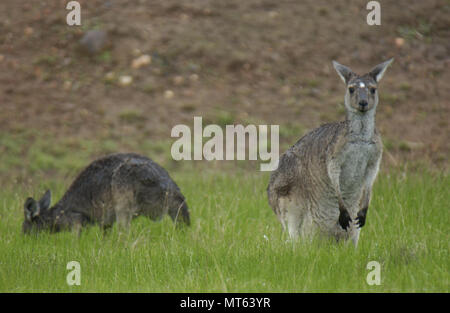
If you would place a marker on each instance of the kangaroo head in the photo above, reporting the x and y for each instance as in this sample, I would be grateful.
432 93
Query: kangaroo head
37 213
362 93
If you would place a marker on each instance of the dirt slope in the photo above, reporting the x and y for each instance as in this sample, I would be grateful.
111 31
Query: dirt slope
234 61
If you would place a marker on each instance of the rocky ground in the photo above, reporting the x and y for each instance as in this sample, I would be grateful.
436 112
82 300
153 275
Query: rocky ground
153 64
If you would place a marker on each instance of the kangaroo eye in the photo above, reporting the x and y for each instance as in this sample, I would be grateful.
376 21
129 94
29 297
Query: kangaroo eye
351 90
372 90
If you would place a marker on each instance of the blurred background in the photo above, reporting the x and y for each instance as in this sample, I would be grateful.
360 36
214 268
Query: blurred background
136 68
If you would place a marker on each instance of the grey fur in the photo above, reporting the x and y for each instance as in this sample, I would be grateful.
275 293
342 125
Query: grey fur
118 188
323 183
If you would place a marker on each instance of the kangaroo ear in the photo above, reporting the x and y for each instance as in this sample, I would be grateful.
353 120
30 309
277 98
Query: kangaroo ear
31 209
378 71
344 72
45 201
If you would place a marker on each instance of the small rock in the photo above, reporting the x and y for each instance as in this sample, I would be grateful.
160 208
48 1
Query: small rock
110 77
94 41
2 57
399 42
28 31
184 17
68 106
67 61
168 94
178 80
141 61
188 93
193 77
125 80
137 52
285 90
273 14
67 85
83 112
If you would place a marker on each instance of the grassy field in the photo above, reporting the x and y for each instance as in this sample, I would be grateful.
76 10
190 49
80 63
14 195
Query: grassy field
235 244
230 62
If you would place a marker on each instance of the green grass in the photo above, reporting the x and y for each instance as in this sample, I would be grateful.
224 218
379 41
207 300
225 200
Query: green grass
225 249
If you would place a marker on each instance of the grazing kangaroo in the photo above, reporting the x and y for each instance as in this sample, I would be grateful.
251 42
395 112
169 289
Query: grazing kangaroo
118 188
323 183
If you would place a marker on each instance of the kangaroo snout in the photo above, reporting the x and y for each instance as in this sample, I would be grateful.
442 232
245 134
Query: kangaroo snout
363 105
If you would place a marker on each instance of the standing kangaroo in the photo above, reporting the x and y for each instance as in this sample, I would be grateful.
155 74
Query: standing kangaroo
118 188
323 183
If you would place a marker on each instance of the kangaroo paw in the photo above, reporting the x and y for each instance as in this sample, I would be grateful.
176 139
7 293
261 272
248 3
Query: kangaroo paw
344 219
361 218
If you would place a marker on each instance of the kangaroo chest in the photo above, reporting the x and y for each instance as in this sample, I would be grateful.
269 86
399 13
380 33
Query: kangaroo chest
355 159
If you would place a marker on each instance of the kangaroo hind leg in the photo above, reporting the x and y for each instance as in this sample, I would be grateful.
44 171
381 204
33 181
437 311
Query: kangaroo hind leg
291 216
